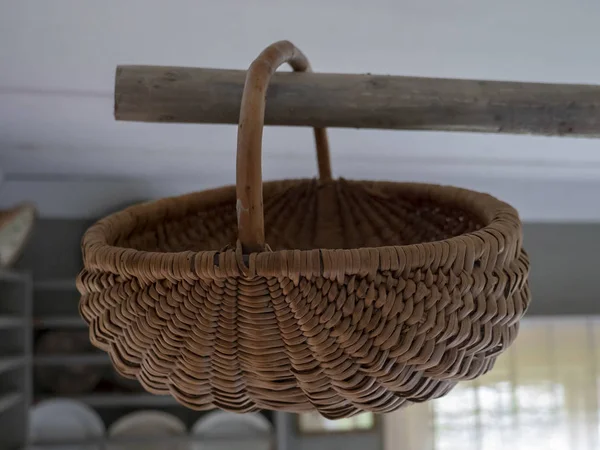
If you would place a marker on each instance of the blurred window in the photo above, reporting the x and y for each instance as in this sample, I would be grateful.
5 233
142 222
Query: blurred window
315 423
543 393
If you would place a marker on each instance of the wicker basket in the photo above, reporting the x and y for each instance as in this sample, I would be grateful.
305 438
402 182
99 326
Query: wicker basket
368 296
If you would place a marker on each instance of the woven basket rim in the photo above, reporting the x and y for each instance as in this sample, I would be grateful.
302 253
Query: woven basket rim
98 254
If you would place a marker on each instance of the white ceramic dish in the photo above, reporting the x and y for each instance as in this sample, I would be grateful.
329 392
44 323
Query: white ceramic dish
62 420
221 430
147 424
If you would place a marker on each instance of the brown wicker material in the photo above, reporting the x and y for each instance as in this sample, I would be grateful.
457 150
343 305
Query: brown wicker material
368 296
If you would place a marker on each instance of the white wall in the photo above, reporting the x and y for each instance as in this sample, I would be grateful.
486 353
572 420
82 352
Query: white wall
58 137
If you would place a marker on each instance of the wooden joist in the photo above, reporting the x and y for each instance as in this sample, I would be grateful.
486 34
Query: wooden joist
195 95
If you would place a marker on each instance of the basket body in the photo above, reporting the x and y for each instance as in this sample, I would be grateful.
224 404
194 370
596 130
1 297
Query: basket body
371 296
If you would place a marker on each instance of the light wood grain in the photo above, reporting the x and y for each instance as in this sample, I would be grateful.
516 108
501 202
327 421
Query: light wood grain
195 95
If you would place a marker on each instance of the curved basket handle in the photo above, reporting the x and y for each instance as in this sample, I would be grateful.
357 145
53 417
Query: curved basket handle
250 215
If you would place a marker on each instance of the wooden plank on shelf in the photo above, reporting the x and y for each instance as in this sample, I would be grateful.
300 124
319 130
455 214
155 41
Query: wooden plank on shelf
59 322
242 440
12 276
9 400
74 359
11 322
66 284
116 400
196 95
7 364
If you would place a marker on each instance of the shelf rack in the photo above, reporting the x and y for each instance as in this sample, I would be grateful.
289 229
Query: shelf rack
30 307
15 356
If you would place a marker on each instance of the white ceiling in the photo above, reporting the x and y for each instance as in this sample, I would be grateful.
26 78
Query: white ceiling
60 146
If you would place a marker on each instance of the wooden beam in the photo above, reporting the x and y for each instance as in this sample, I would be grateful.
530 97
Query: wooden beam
192 95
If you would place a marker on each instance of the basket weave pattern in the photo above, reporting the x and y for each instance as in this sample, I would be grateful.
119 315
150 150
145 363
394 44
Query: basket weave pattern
369 296
336 330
